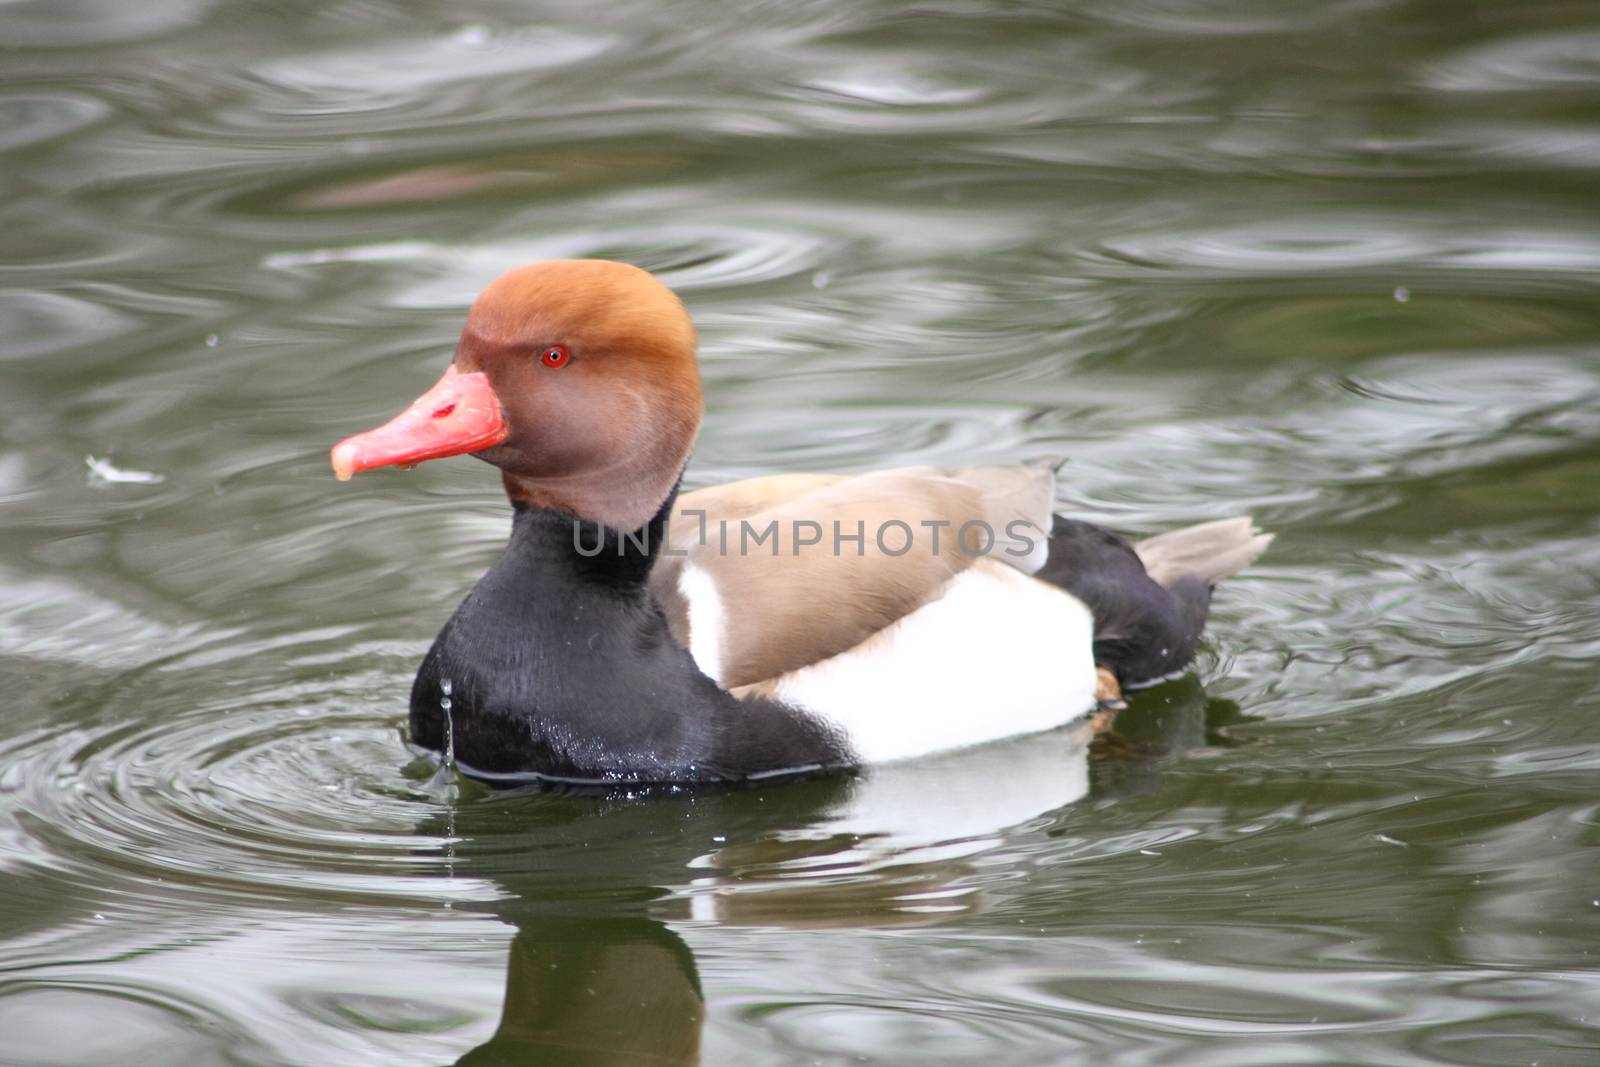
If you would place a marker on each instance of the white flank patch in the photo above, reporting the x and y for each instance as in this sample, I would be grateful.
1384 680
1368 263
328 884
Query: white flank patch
706 620
997 654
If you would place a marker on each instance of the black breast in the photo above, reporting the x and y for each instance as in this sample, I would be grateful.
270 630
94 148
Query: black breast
560 665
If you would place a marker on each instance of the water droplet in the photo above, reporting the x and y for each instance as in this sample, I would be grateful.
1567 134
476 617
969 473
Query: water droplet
212 340
1401 294
445 705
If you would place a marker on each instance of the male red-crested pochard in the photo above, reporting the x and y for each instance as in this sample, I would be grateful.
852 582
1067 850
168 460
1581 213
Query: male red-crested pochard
772 626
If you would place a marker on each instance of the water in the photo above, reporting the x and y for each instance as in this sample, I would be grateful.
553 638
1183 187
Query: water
1332 264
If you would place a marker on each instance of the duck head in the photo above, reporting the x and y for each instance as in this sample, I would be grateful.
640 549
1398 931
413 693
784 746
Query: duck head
577 378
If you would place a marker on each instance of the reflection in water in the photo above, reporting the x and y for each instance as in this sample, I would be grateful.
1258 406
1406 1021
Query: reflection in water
597 991
594 981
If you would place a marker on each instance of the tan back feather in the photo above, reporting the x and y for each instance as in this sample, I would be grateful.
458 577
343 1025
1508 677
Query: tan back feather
786 604
1211 550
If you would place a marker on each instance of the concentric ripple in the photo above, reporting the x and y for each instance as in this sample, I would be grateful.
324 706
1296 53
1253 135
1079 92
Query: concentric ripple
283 796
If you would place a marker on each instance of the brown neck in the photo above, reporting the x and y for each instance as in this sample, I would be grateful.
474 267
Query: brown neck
624 500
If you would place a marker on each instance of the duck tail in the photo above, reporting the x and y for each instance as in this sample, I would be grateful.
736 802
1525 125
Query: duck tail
1210 551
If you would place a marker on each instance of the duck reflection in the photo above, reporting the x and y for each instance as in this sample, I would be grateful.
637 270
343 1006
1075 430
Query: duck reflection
597 973
596 991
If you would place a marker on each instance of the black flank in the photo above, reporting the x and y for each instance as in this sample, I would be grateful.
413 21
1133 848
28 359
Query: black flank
1143 631
559 666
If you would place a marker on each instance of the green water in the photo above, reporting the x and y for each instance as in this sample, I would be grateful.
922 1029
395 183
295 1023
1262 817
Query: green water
1332 263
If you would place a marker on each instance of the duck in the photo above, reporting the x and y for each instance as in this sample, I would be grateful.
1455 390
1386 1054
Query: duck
632 633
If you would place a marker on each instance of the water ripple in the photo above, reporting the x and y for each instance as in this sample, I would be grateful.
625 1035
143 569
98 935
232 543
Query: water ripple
1566 60
32 118
350 80
40 323
1309 245
292 794
95 22
687 258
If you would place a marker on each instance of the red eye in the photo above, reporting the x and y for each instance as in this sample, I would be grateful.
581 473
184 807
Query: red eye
555 356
